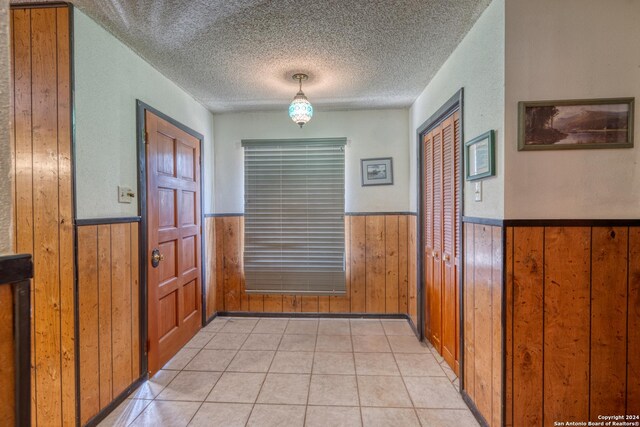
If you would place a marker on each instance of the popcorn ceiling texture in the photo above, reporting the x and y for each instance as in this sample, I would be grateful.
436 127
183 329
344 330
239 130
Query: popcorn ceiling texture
6 199
239 55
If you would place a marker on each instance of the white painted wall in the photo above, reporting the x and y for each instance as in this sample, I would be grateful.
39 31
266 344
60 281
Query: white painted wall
477 65
371 133
6 178
571 49
109 77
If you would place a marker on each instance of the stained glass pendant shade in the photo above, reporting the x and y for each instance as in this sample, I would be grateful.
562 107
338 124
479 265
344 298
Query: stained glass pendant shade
300 109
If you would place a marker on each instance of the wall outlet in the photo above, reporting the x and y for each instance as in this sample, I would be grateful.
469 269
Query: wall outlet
478 191
125 195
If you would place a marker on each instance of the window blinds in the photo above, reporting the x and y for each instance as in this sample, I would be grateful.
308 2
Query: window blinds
294 216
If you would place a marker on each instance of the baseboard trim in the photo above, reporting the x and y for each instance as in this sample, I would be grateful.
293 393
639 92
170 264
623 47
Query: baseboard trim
100 416
474 409
309 315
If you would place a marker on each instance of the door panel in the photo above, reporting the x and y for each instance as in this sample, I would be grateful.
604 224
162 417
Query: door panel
174 285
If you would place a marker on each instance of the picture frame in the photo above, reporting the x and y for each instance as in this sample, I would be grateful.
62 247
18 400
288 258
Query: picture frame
480 156
377 171
575 124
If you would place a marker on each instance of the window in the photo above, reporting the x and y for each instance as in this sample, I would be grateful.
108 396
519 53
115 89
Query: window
294 216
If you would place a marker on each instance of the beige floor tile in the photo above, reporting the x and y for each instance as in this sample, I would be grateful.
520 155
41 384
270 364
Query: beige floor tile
334 343
190 386
447 418
298 343
332 416
406 344
181 359
262 342
221 414
397 327
383 391
162 413
216 324
223 341
336 390
270 326
433 393
390 417
277 416
152 387
448 371
292 362
237 387
302 327
334 327
334 363
370 344
376 364
239 325
286 389
251 361
366 327
125 413
199 340
418 365
211 360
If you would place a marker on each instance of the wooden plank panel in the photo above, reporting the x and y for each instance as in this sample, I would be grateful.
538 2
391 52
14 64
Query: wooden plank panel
210 266
244 297
469 310
273 303
221 290
413 285
66 229
496 326
566 311
88 324
46 216
403 263
341 304
291 304
375 259
528 281
231 254
135 301
482 323
391 244
633 337
256 303
309 304
509 327
7 359
323 304
358 264
104 314
121 306
608 320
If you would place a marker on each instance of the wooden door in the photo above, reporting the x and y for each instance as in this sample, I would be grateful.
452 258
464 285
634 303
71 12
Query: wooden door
173 239
441 259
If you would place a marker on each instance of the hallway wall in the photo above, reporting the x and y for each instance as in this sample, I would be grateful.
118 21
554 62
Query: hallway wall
6 178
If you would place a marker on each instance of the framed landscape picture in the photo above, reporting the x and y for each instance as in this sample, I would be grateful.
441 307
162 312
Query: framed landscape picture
575 124
480 156
377 171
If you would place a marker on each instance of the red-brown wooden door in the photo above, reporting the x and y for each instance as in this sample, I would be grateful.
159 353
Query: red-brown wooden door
441 210
174 233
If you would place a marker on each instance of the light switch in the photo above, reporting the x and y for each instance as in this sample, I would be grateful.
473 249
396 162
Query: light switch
478 191
125 195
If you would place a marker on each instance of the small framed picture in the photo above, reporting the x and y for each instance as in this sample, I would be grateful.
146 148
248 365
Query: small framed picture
575 124
377 171
480 156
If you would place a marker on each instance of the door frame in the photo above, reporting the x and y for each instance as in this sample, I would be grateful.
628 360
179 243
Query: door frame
455 103
141 108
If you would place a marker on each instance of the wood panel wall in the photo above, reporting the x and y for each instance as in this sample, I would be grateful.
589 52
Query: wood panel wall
7 357
482 290
108 306
381 263
573 323
43 200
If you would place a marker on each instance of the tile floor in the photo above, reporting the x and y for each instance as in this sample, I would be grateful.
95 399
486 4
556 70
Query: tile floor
300 372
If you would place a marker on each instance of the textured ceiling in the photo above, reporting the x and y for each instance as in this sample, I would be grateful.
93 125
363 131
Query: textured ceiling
238 55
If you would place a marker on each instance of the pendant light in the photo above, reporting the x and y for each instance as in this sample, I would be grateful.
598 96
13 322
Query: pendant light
300 109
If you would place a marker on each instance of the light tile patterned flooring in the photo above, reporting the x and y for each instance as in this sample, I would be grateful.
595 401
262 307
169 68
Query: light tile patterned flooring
300 372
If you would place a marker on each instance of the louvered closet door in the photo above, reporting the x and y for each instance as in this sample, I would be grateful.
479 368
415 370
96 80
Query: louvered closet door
442 236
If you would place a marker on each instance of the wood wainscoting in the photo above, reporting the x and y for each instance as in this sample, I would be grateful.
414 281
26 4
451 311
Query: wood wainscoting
43 200
108 312
381 269
573 322
482 326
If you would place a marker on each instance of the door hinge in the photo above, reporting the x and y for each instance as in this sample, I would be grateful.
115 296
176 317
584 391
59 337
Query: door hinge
146 137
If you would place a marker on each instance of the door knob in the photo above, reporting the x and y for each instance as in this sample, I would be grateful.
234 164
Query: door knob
447 258
156 257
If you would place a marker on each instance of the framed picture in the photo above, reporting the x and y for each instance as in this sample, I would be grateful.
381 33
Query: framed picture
575 124
480 156
377 171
